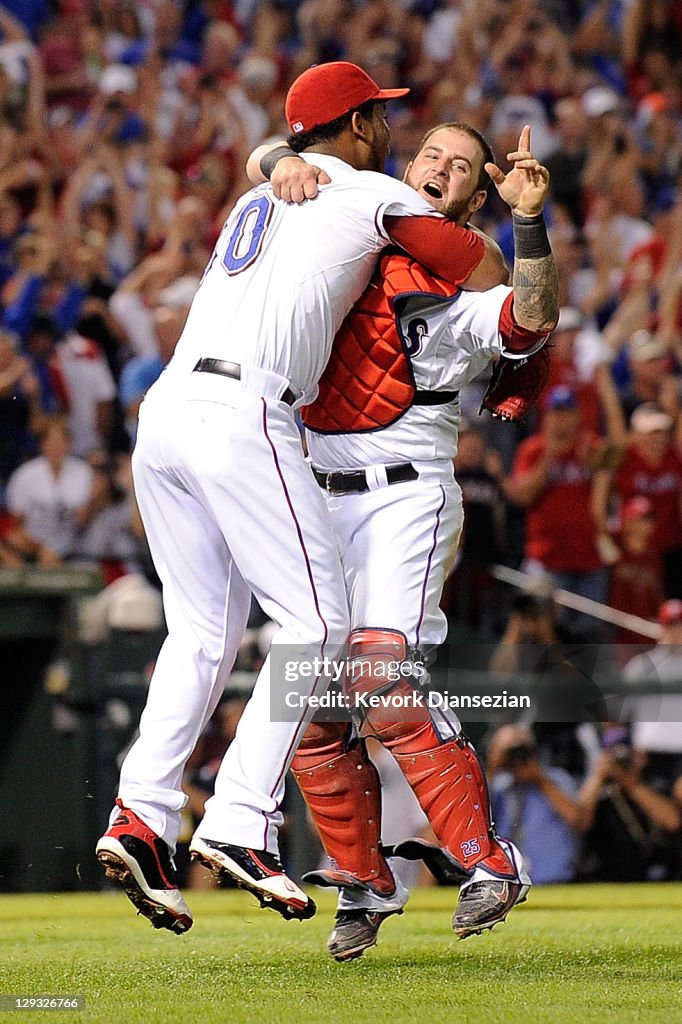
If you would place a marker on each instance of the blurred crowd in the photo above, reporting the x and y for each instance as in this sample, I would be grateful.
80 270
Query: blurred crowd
124 130
123 136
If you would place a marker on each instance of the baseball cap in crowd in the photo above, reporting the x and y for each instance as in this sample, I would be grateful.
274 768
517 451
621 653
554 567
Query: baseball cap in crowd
643 346
648 417
638 507
117 78
570 319
670 613
326 91
599 100
561 397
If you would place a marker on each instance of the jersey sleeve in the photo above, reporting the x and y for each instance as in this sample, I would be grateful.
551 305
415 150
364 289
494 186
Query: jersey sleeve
477 316
518 342
443 247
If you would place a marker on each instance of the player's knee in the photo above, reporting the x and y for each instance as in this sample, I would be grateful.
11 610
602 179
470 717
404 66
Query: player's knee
381 683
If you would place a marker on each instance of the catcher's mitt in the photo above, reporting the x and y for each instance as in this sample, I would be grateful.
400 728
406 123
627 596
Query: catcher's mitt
516 386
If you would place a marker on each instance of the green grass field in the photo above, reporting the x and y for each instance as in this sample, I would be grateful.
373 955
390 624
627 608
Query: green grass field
592 954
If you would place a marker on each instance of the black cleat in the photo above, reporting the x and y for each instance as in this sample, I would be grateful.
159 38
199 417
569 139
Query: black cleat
484 904
141 862
258 872
354 932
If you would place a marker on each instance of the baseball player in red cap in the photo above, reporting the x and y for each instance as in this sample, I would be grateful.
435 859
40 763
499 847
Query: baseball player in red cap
229 504
382 434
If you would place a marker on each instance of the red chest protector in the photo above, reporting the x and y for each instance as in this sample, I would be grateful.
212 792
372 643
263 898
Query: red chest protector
368 382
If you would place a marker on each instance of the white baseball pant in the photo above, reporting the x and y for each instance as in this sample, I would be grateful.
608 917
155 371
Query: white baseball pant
230 507
398 543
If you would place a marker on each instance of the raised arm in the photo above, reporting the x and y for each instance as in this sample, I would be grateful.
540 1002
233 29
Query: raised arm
535 279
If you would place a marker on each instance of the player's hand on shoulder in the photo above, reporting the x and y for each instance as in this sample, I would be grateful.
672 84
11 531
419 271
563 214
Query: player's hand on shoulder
526 186
296 181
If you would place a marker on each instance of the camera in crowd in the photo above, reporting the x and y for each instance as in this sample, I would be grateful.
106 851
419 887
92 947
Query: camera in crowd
519 756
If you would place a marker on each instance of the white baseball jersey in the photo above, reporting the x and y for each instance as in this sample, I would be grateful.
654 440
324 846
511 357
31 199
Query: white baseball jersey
449 341
318 259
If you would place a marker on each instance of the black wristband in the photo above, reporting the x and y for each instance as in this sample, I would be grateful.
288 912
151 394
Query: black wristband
267 162
530 238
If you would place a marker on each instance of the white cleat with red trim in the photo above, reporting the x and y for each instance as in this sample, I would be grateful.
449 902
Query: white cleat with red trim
257 871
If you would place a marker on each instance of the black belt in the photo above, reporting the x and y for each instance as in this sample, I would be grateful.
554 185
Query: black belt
434 397
234 370
355 481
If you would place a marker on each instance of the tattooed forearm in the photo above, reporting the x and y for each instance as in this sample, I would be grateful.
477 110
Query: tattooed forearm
536 293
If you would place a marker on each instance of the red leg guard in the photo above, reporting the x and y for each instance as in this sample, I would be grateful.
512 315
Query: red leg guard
445 776
449 784
341 788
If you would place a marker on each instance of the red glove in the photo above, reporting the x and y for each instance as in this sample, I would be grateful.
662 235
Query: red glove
517 385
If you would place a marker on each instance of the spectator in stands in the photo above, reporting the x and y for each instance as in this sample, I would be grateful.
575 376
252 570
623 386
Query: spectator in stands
636 584
657 718
596 396
534 805
552 479
532 626
650 376
652 466
627 816
567 162
91 393
39 345
44 496
63 57
104 522
99 198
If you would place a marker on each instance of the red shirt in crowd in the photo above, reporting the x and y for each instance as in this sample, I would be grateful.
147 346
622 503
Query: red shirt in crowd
662 484
560 532
636 588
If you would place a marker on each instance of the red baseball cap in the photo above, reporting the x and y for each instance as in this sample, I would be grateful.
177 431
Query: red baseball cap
326 91
670 613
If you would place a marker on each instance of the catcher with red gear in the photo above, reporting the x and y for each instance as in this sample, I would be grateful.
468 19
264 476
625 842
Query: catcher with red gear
382 434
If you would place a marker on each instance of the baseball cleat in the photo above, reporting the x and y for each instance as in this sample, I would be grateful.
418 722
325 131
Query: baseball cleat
354 932
257 871
484 904
361 912
486 901
141 862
